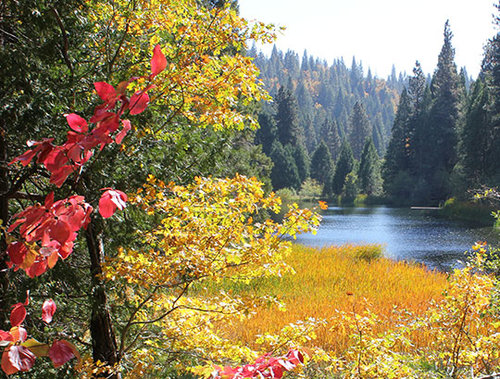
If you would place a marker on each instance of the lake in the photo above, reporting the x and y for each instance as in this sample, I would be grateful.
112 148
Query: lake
411 235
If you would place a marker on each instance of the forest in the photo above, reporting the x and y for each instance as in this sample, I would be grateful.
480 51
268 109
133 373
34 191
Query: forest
144 148
361 135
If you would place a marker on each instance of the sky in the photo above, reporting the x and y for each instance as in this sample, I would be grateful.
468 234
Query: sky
379 33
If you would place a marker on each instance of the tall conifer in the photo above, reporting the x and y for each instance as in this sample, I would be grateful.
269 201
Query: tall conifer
359 129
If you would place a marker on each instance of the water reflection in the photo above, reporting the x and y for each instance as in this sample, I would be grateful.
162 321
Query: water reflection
411 235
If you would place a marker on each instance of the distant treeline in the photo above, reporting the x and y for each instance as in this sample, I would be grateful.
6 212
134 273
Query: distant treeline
413 139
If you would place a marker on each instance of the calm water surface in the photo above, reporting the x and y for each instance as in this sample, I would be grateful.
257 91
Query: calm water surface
411 235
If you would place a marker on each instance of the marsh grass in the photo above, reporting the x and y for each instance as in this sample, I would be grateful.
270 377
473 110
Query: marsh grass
336 279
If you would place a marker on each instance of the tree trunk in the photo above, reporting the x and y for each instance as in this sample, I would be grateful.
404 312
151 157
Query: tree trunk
104 346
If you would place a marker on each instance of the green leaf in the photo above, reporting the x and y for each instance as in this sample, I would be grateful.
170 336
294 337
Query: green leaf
37 348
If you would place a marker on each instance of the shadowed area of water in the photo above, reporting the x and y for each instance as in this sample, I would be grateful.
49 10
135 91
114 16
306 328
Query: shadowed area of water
411 235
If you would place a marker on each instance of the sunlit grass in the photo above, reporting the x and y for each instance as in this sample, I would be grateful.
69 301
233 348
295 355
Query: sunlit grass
333 279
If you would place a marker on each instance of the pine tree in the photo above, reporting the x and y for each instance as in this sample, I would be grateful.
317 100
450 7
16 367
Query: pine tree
378 135
369 172
475 137
351 187
344 166
493 158
284 173
396 158
302 162
331 137
287 122
266 134
443 118
359 129
321 163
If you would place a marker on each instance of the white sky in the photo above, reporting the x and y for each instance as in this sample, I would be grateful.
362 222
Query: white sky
380 33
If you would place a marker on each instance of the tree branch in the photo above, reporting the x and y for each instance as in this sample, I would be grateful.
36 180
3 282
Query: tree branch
65 42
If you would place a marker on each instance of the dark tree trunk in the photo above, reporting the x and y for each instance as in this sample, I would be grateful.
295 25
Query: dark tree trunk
104 346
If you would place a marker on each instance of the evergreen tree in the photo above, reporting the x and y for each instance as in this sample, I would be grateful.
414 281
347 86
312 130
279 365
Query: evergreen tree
344 166
284 173
443 118
493 157
369 172
301 161
266 134
331 137
378 136
321 163
475 137
309 133
419 131
359 129
351 187
287 122
396 158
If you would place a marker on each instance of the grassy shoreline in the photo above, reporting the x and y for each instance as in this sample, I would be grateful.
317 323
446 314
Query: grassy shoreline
357 314
468 211
333 279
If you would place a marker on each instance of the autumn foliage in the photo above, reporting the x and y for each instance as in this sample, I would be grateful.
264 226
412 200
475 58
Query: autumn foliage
206 230
21 352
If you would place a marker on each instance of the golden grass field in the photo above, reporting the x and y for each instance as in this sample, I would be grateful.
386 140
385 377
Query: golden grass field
339 278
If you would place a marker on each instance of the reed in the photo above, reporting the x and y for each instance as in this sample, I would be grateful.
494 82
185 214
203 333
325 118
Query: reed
338 279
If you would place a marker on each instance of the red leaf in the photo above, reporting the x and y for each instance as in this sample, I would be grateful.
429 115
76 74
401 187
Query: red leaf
48 310
66 250
42 148
55 159
59 177
77 123
18 314
25 158
110 201
106 92
158 62
49 200
7 367
5 336
21 358
61 352
138 102
37 268
60 231
126 127
17 251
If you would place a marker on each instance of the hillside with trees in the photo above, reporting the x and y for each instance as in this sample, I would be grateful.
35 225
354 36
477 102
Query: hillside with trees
317 105
416 139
